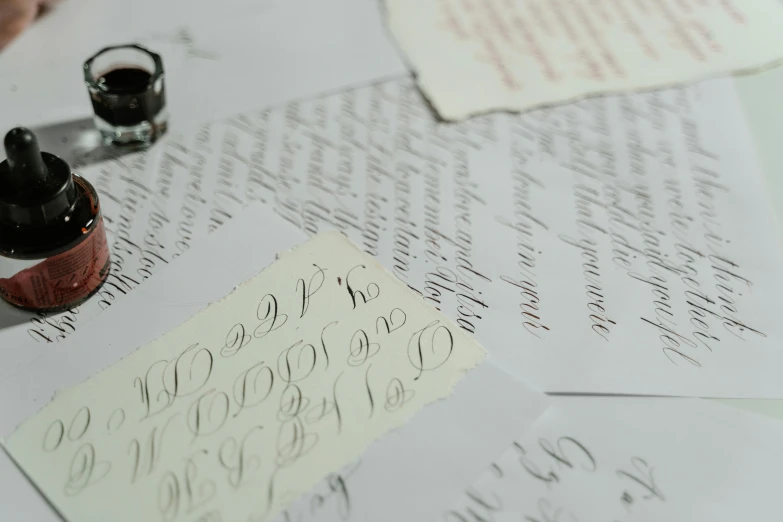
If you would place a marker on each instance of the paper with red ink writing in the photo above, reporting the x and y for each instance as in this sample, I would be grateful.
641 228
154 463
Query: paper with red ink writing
474 56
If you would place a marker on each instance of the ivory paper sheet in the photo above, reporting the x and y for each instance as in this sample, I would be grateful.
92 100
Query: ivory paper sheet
474 56
251 401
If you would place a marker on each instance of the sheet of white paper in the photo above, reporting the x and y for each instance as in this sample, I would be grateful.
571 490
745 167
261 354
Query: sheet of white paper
481 218
473 56
413 473
167 301
220 57
288 378
485 219
633 460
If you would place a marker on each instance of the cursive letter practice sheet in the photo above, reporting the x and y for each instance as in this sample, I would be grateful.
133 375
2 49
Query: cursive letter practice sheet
288 378
519 54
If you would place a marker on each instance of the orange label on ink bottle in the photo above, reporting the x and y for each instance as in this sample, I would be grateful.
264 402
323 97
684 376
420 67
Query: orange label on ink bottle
63 279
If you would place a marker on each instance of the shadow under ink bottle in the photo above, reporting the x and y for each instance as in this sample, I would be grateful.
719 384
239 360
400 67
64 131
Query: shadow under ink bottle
53 249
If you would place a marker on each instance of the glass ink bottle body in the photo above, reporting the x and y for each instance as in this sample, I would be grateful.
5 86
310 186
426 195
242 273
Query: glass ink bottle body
53 249
128 94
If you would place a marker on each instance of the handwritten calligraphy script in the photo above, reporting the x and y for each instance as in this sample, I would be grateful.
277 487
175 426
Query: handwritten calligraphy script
631 460
550 462
252 401
558 464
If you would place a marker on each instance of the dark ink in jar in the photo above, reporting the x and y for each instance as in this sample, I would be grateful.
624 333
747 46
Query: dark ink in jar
126 108
128 94
53 249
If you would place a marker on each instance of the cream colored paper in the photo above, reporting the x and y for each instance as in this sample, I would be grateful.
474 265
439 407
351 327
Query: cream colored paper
251 401
473 56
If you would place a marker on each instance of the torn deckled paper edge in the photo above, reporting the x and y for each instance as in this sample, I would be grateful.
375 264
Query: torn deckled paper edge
473 57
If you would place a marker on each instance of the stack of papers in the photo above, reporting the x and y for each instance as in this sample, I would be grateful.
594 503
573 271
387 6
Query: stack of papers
336 306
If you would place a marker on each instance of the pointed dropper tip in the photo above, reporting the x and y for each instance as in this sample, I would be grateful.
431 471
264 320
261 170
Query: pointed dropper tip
24 156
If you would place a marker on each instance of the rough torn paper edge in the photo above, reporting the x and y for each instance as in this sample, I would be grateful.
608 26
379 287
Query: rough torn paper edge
696 79
447 115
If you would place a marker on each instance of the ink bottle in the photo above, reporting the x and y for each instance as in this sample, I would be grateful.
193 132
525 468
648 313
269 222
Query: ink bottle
128 94
53 248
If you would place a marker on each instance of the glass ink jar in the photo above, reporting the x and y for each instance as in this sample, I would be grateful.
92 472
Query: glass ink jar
128 94
53 248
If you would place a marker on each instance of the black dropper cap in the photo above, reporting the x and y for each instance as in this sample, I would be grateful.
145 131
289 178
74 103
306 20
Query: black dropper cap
35 187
